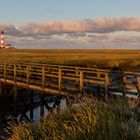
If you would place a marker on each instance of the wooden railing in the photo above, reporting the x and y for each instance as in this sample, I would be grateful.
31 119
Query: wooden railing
55 79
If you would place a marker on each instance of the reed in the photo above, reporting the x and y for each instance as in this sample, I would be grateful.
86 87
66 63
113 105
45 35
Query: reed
114 119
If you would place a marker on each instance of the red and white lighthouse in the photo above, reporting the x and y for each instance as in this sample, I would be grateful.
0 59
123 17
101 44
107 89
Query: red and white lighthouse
2 39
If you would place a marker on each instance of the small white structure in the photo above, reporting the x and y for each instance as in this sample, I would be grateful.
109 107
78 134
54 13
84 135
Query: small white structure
8 46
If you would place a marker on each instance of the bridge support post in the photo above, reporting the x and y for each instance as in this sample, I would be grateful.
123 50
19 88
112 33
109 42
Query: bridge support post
106 92
31 105
67 101
138 89
138 86
15 97
1 88
5 71
42 106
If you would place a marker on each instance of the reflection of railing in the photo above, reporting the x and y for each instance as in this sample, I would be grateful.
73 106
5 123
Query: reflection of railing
55 79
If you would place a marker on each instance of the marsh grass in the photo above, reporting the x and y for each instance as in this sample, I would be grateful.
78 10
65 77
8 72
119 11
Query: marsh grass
88 58
91 119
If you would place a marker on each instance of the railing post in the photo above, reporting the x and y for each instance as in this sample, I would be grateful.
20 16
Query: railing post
59 79
28 73
76 71
124 84
43 76
15 73
98 76
106 85
81 81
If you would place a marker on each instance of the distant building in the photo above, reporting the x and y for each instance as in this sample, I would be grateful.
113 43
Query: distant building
8 46
2 42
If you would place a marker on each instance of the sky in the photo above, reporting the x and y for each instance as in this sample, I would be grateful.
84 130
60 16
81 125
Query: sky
66 24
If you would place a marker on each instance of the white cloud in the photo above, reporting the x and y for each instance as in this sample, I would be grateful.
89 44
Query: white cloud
84 33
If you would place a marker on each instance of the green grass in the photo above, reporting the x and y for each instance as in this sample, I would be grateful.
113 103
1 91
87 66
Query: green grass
93 119
100 58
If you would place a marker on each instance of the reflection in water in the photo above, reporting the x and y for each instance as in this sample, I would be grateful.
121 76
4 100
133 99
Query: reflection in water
37 110
26 115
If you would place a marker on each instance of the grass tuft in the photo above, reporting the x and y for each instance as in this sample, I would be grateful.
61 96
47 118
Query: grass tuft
91 119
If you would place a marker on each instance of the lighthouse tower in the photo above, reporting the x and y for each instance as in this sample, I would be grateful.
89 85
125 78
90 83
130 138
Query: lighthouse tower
2 39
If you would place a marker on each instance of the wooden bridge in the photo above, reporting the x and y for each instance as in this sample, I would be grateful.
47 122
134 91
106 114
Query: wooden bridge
68 80
54 79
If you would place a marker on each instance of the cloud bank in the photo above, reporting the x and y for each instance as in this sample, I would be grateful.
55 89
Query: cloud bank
86 31
105 25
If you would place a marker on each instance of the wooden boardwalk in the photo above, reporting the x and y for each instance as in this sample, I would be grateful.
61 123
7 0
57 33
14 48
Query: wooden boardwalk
63 80
67 81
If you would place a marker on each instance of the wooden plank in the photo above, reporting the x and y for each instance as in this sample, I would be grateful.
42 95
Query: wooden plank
21 71
95 78
130 82
63 86
94 82
63 77
34 87
131 87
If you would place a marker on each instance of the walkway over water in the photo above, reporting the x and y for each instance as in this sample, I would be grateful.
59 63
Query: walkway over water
55 79
63 80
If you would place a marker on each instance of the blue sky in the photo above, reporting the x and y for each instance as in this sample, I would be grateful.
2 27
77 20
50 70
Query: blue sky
17 14
23 11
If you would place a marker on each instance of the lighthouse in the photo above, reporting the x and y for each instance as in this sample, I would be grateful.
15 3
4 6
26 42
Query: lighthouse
2 39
